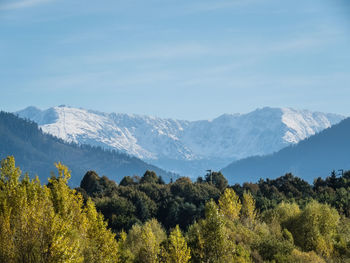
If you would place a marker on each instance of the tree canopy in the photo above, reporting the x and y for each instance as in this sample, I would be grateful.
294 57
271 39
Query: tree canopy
40 223
148 221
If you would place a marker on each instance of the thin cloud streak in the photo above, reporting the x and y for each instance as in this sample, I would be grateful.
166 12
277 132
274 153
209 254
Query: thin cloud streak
190 51
179 51
22 4
207 6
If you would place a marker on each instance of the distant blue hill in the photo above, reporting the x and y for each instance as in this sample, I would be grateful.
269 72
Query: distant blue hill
314 157
36 153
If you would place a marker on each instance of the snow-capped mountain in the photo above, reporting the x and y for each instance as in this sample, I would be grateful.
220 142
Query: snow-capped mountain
314 157
36 153
179 145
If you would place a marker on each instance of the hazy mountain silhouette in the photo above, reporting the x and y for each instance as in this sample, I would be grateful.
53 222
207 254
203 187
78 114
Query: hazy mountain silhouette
313 157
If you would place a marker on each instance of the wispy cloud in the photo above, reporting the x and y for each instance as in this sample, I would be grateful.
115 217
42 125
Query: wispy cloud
156 52
186 51
9 5
207 6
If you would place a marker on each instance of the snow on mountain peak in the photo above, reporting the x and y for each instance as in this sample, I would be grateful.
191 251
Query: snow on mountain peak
229 136
304 123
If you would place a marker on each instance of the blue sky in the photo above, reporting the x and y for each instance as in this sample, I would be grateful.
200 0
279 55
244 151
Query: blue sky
185 59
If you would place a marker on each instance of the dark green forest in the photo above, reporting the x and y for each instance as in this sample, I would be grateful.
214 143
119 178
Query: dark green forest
280 220
138 199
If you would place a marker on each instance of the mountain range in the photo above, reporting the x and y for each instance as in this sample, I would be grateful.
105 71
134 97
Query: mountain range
36 152
184 147
313 157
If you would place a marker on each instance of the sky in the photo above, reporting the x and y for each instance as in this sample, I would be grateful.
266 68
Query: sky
183 59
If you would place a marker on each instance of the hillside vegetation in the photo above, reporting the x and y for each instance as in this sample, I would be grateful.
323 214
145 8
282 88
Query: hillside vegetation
282 220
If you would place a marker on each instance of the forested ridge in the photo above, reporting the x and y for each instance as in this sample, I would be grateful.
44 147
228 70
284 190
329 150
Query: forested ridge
36 152
147 220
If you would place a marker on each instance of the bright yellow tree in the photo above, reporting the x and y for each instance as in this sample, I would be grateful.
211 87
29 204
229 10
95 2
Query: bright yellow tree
177 250
229 204
49 223
143 241
248 208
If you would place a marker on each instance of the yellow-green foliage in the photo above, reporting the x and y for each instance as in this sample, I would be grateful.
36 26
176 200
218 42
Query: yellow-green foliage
229 204
248 208
213 239
49 224
286 212
177 250
316 228
316 231
208 238
144 242
281 217
125 255
298 256
149 252
52 224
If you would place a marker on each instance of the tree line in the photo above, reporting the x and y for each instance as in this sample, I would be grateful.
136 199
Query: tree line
143 219
138 199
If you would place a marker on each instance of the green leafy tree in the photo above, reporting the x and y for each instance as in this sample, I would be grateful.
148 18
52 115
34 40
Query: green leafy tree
208 238
316 228
217 179
144 241
149 177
